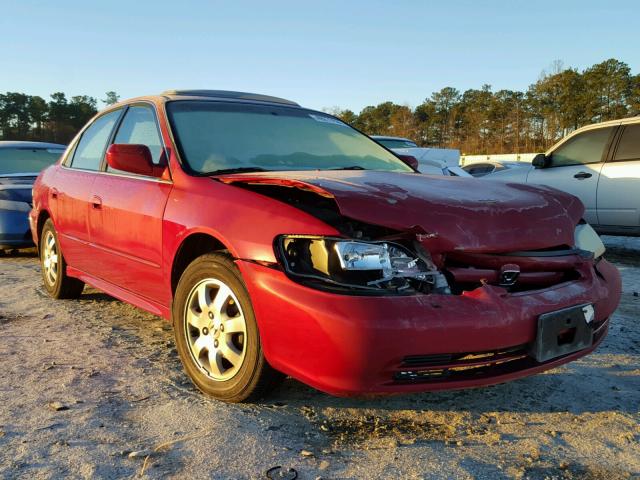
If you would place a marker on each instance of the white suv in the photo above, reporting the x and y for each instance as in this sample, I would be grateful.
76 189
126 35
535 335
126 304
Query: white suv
599 164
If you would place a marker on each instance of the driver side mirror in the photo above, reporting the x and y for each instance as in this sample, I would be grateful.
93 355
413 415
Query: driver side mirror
133 158
540 161
410 160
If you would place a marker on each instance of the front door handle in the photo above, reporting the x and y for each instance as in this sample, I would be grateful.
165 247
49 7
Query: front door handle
96 202
582 175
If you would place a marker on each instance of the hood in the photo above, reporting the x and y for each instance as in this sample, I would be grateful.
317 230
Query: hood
447 213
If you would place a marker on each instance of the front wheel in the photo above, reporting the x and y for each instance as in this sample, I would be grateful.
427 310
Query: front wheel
216 333
54 268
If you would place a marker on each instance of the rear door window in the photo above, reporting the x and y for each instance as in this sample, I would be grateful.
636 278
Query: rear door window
583 149
91 147
629 146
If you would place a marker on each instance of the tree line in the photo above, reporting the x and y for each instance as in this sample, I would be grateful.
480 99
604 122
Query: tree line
31 117
477 121
481 121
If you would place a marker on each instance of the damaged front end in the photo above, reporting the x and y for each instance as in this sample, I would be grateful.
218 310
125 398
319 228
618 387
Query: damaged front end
357 266
406 239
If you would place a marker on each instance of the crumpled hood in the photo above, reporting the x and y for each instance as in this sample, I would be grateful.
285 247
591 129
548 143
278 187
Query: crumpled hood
449 213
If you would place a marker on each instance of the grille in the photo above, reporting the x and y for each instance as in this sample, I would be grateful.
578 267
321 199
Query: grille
537 269
469 366
425 367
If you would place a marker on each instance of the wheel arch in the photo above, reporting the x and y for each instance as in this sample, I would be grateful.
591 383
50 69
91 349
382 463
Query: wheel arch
43 216
191 247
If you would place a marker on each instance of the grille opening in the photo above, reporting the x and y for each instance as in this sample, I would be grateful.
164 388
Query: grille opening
470 366
538 270
420 368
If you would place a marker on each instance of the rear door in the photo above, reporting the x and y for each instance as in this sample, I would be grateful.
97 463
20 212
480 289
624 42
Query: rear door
575 167
619 187
72 190
127 210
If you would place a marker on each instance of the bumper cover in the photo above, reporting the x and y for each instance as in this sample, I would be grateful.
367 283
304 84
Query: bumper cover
353 345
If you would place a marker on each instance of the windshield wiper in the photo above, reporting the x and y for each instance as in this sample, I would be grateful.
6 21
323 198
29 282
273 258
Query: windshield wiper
226 171
352 167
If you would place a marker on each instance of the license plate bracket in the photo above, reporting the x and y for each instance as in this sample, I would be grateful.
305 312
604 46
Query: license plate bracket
560 333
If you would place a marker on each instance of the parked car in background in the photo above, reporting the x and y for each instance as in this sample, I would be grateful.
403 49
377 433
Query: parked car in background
394 142
480 169
431 161
599 164
20 164
280 240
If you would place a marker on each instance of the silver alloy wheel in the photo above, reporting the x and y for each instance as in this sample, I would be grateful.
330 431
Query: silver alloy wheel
50 258
215 329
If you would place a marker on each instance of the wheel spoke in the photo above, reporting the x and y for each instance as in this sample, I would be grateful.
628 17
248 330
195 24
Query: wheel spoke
215 362
203 341
234 324
230 352
196 319
222 295
54 259
204 297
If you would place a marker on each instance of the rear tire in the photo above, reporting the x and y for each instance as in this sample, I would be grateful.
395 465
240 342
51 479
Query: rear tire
216 332
54 267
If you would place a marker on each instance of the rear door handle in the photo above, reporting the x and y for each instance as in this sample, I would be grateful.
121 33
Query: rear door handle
96 202
54 193
582 175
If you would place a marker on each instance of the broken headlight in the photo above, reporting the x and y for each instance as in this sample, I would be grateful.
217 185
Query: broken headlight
371 266
587 239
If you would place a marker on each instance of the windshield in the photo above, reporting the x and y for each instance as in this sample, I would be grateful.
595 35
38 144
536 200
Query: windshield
27 160
215 137
396 143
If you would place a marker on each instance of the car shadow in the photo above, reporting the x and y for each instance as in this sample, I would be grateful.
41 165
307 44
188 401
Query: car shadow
97 296
21 253
570 389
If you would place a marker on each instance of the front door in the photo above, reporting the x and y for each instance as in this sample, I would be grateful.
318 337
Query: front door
126 218
575 167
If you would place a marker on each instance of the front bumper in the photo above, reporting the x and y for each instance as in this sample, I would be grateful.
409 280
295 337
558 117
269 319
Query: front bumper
14 229
353 345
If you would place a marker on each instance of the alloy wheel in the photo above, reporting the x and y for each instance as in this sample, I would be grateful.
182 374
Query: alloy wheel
215 329
50 258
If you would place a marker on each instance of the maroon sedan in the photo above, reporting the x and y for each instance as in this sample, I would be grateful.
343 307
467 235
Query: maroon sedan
281 241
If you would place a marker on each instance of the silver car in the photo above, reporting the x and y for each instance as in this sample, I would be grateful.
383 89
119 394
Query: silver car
599 164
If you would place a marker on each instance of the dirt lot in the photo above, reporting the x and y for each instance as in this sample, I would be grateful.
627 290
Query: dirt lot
83 384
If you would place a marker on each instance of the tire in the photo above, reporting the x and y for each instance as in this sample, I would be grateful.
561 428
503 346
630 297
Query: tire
216 333
54 267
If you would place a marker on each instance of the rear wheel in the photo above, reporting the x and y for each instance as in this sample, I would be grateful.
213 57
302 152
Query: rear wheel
54 267
216 333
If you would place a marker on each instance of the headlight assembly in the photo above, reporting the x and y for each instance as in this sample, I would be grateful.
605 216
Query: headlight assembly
587 239
358 265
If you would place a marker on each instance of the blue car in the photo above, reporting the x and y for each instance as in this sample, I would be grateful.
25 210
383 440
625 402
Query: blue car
20 164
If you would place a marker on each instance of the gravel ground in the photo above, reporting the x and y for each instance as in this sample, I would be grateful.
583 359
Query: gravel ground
93 389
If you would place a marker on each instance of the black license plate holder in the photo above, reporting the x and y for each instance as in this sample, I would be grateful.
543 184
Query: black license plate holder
560 333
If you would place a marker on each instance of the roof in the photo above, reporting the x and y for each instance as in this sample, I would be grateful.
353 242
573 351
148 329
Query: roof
20 144
226 94
384 137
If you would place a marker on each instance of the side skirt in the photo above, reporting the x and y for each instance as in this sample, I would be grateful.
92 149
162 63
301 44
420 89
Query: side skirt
121 294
